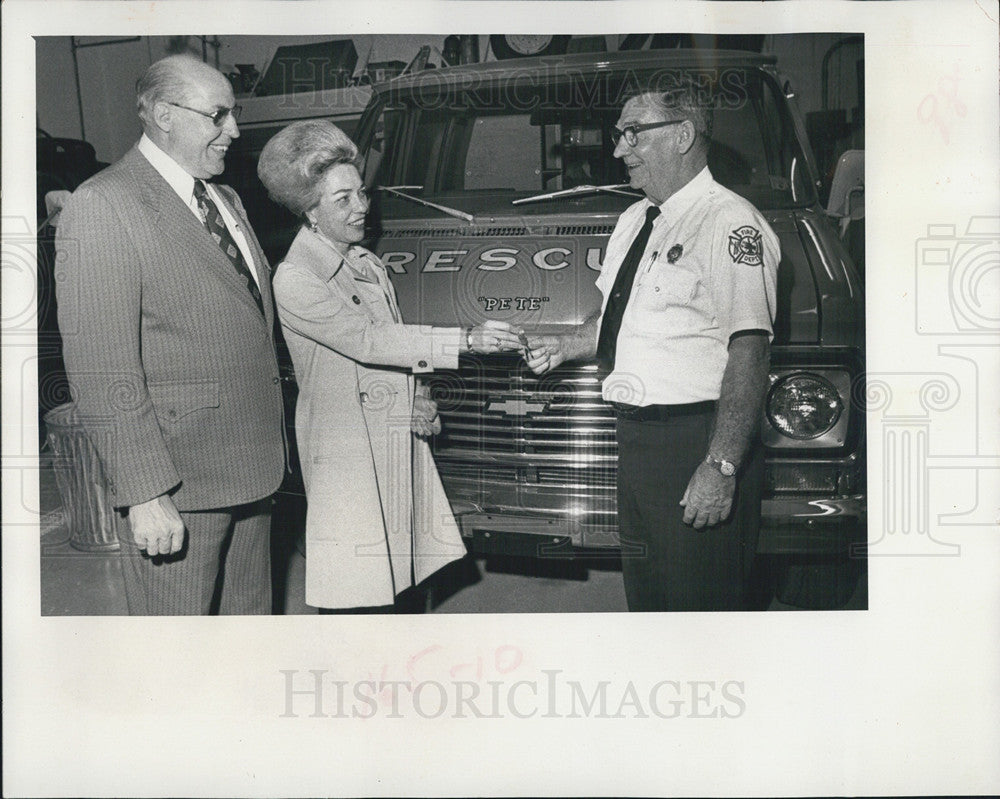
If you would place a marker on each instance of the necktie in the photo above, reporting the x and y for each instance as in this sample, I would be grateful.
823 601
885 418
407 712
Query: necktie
217 228
614 310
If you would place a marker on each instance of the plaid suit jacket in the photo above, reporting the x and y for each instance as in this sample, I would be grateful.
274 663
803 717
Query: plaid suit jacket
172 366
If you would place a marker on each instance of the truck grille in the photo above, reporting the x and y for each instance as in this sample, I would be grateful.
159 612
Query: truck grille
479 231
548 429
495 231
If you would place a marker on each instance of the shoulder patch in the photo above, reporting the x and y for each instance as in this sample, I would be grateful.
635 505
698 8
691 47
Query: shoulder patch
745 246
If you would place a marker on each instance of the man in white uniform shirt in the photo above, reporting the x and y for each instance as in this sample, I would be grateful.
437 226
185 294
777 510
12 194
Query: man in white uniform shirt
683 343
166 315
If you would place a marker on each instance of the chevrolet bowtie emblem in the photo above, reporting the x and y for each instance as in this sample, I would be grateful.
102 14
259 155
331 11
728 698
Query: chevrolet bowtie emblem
514 406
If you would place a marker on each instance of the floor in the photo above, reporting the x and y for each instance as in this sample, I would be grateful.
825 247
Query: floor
75 582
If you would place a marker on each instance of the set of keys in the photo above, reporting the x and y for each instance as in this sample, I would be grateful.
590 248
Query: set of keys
524 344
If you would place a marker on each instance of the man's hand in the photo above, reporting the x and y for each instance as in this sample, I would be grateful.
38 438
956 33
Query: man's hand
545 353
157 526
424 420
708 497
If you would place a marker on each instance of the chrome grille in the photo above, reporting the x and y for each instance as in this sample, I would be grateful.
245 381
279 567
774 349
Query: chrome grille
480 231
495 410
495 231
583 230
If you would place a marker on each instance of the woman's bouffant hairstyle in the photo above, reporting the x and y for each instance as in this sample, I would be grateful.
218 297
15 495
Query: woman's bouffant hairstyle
293 162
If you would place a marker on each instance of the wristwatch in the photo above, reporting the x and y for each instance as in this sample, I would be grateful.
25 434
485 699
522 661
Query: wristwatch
723 467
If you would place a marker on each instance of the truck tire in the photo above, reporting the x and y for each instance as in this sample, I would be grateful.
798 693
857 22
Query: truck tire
818 583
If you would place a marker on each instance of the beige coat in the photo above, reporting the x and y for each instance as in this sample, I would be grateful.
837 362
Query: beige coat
378 519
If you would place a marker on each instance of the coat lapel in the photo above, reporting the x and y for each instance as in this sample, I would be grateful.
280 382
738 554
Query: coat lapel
310 250
176 218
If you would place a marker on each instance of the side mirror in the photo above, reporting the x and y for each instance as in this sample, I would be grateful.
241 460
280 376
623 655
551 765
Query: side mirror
847 192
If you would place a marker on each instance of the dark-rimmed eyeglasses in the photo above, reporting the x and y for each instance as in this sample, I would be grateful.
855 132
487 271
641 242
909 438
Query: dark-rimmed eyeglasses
631 132
218 116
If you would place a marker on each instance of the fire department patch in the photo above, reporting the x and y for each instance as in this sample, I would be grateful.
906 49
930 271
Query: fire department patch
745 246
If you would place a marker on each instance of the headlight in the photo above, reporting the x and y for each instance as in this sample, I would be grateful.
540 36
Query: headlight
803 406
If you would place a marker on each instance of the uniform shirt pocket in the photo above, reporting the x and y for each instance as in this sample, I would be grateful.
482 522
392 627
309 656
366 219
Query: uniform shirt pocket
665 286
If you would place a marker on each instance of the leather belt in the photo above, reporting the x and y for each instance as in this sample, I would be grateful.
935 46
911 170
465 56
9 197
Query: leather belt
660 413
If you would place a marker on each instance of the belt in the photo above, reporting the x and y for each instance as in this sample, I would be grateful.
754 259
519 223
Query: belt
660 413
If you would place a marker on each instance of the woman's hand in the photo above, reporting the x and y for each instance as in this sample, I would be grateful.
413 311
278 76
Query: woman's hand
424 421
494 336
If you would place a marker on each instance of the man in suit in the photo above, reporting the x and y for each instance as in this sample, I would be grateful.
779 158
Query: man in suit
166 314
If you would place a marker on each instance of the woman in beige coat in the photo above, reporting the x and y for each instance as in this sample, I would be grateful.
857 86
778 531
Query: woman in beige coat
378 520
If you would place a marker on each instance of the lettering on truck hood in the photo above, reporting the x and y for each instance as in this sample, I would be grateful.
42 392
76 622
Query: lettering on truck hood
546 280
528 280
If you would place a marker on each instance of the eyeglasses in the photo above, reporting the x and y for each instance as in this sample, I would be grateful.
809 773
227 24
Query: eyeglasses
218 117
631 132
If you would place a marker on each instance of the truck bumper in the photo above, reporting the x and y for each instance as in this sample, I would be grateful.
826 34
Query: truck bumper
788 526
812 526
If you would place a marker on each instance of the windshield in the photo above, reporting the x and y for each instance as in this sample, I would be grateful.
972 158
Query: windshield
482 148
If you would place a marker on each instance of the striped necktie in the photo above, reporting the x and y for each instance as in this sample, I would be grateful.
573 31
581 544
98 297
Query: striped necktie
217 228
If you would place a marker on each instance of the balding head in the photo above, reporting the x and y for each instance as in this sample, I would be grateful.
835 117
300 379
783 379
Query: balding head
174 79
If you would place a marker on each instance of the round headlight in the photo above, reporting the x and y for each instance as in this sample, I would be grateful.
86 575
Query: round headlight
803 406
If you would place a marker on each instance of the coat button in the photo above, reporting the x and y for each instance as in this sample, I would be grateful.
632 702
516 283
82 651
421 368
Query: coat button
422 364
357 299
364 397
172 413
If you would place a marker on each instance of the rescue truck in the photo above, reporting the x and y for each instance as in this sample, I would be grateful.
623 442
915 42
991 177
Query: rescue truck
494 191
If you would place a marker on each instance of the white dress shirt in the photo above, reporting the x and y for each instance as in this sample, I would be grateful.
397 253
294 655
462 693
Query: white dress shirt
183 183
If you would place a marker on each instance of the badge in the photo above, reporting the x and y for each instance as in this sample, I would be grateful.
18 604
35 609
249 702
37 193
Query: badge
745 246
674 253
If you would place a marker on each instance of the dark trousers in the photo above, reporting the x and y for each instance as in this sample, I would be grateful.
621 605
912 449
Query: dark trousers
224 566
668 565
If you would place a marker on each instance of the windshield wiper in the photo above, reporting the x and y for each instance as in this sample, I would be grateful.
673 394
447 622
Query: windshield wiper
586 189
443 208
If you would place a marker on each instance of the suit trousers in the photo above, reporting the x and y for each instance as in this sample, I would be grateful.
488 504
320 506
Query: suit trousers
223 567
668 565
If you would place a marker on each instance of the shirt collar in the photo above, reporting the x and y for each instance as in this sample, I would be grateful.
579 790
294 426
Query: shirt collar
685 197
180 181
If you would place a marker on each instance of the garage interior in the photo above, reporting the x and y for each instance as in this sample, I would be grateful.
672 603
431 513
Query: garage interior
85 119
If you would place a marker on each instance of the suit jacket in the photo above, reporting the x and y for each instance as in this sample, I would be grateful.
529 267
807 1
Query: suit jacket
377 516
171 364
